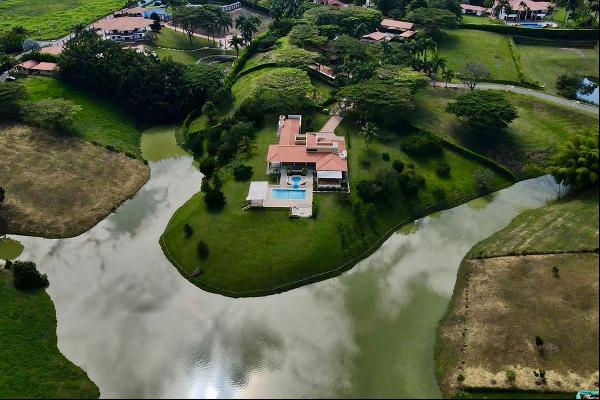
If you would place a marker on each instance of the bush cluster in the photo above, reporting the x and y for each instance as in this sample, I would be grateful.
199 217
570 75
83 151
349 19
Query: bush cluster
425 144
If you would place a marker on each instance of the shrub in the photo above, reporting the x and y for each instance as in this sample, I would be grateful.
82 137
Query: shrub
486 110
484 179
424 145
511 375
202 250
398 166
442 169
188 231
242 172
411 183
539 342
207 166
27 276
214 199
371 191
439 193
385 156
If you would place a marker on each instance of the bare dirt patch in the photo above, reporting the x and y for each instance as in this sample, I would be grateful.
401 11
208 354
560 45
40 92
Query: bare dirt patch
61 187
499 308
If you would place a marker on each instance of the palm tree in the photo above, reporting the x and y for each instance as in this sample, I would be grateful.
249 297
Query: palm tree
236 42
448 75
368 132
437 64
78 28
570 7
248 26
246 145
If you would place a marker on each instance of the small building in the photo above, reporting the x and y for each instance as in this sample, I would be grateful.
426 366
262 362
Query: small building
377 37
407 34
469 9
55 50
523 10
123 29
257 193
30 67
394 26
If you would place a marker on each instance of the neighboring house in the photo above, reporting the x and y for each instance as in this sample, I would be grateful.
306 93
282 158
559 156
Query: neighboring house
323 154
335 3
131 12
469 9
30 67
161 12
142 12
390 29
55 50
522 10
123 29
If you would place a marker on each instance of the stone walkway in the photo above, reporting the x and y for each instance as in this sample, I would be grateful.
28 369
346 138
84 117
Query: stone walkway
332 124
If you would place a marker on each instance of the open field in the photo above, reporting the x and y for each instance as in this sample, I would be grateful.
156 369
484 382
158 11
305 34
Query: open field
563 226
545 63
250 250
61 187
473 19
32 364
99 121
52 19
491 49
500 304
177 40
531 138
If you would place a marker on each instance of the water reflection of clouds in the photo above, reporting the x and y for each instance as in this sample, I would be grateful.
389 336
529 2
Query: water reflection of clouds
139 329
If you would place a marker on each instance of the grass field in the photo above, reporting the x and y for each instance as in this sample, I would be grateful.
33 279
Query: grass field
501 304
545 63
531 138
249 250
32 364
76 184
52 19
491 49
182 56
473 19
177 40
98 121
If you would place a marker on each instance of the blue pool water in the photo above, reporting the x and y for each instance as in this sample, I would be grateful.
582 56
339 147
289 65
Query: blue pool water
289 194
296 181
532 25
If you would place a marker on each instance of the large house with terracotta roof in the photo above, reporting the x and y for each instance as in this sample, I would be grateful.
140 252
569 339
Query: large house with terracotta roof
390 29
523 10
123 29
36 67
322 154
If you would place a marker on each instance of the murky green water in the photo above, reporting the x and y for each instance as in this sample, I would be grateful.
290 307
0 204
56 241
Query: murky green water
139 329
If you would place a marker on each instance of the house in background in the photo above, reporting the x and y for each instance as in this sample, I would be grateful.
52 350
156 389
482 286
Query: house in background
31 67
469 9
391 29
123 29
523 10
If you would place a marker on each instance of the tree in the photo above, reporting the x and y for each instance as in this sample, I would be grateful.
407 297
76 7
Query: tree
210 110
368 131
156 26
246 145
7 62
214 199
570 7
190 19
12 41
281 90
576 162
448 75
27 277
403 76
570 85
374 101
236 42
247 26
78 28
55 115
485 109
473 73
11 95
433 20
202 250
305 35
438 63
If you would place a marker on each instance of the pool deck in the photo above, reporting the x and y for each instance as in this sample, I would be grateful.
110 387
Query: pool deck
272 202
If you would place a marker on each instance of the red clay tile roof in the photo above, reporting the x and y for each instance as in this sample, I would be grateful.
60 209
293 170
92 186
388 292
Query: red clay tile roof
389 23
377 36
28 64
45 66
408 34
473 8
122 24
56 49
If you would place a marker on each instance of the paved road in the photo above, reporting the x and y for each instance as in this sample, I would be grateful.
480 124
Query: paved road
530 92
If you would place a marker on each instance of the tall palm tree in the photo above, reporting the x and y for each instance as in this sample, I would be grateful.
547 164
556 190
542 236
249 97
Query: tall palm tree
246 145
236 42
437 64
570 7
448 75
248 26
368 132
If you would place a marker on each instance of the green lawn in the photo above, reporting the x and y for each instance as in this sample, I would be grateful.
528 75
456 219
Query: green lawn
177 40
32 365
182 56
491 49
51 19
249 250
546 63
531 138
473 19
99 120
563 226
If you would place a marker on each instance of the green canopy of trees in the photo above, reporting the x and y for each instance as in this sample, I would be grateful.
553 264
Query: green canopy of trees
283 90
55 115
485 109
576 162
403 76
352 20
375 100
305 35
11 95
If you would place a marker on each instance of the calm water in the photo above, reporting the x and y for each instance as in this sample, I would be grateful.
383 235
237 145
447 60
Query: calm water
593 97
139 329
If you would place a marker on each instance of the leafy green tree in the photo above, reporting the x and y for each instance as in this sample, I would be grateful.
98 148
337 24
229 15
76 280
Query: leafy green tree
236 42
305 35
7 62
403 76
282 90
448 75
27 277
53 114
12 41
11 95
156 26
473 73
202 250
375 101
210 110
369 132
246 145
433 20
247 26
190 19
214 199
485 109
576 162
570 85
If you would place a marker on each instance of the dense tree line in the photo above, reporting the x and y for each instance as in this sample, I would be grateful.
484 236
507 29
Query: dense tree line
157 90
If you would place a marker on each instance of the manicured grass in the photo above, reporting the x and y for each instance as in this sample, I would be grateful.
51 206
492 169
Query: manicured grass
473 19
98 121
546 63
460 46
177 40
250 250
531 138
51 19
244 87
268 57
181 56
32 364
564 226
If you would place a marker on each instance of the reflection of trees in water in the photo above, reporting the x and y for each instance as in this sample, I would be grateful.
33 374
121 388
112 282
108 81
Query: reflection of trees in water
482 202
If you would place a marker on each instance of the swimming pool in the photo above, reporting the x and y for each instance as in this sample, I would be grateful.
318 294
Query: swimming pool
296 181
289 194
532 26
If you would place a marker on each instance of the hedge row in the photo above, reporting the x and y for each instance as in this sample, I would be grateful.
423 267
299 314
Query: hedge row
239 63
256 68
570 34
